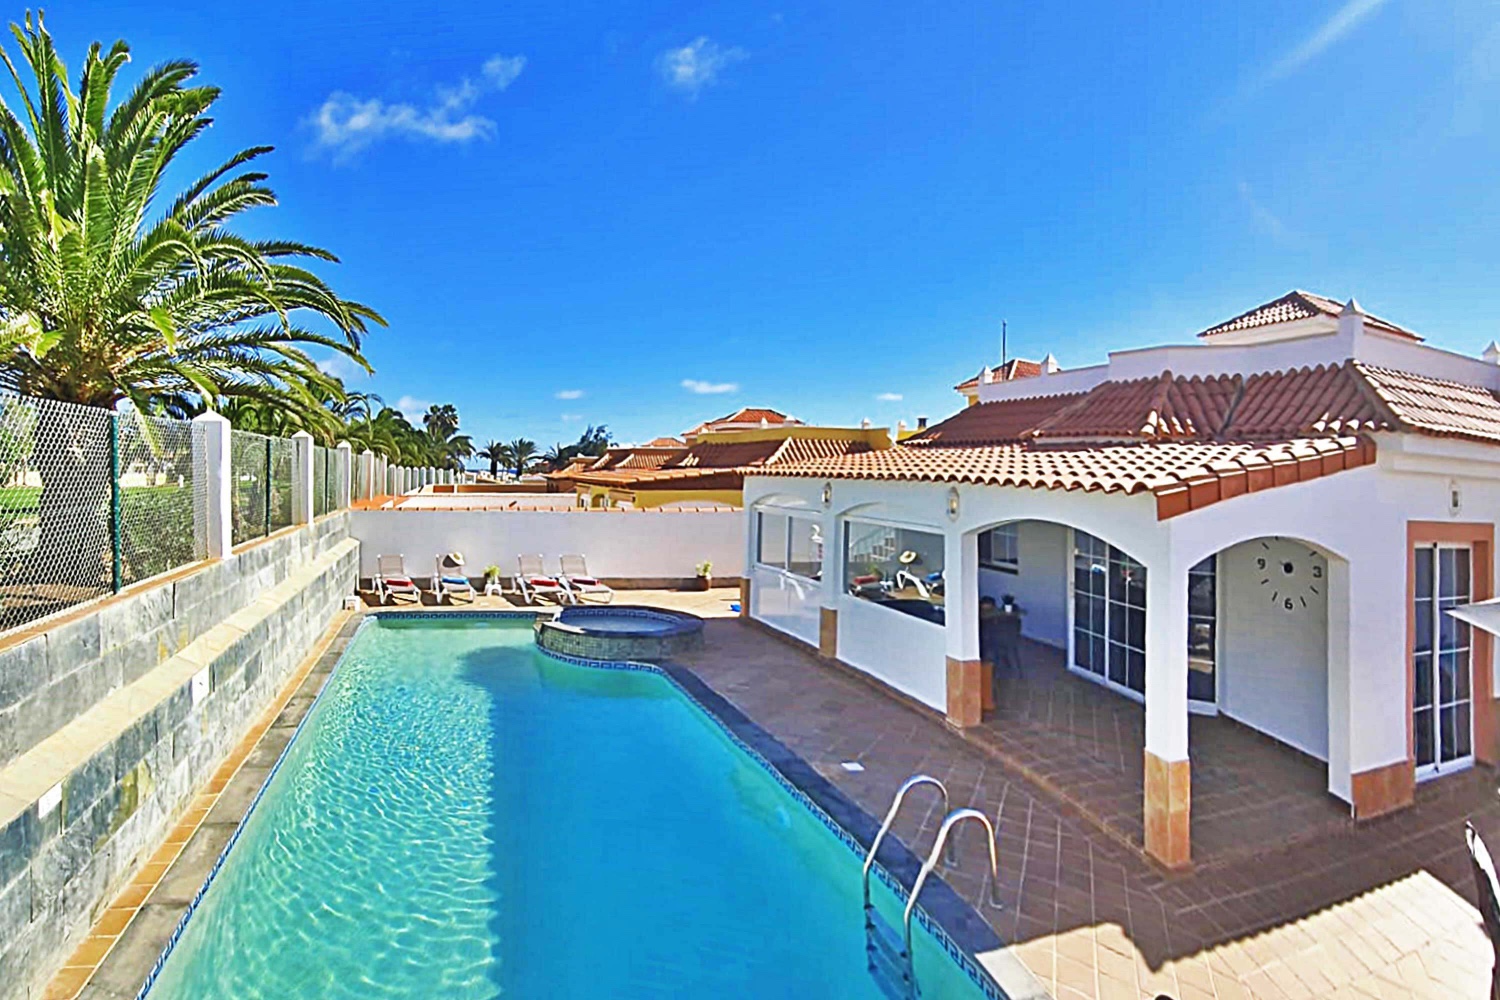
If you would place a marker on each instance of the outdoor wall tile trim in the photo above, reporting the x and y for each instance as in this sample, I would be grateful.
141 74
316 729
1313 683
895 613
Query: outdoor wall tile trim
56 757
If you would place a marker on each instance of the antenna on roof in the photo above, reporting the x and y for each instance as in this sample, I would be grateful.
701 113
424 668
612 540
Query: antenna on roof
1003 358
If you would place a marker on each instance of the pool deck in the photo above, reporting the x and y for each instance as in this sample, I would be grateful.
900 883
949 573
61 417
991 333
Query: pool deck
1384 909
1380 910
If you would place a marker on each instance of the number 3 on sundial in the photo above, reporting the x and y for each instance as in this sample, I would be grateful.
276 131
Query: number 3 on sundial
1290 574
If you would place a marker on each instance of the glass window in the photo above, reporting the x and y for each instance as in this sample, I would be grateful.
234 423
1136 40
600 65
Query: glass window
899 568
1109 612
772 537
999 548
1203 624
805 557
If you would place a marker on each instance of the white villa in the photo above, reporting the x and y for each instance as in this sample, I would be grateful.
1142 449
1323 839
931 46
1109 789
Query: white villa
1267 525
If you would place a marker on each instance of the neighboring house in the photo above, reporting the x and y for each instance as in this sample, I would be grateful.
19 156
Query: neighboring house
712 471
1269 524
1008 371
748 418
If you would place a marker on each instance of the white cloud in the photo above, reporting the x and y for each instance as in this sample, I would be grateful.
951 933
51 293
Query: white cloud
568 394
412 408
1329 33
889 397
697 64
345 124
703 388
571 418
343 368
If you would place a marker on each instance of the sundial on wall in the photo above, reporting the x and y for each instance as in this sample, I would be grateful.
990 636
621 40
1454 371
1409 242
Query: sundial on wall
1291 574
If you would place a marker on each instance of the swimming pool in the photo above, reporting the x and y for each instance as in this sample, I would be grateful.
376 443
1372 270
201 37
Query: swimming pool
464 816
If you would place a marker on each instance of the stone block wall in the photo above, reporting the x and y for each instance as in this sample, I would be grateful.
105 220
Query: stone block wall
49 675
64 858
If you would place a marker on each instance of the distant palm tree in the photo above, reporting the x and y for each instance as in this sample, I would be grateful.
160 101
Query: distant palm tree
522 453
557 457
496 454
441 420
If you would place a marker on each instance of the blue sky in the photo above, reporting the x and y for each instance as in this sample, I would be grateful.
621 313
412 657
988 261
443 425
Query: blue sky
649 214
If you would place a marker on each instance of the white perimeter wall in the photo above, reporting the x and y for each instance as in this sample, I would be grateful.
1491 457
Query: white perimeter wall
786 602
616 543
904 651
1273 664
1041 586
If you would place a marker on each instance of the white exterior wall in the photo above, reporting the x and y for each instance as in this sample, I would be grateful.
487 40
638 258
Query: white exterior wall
638 544
904 651
1272 667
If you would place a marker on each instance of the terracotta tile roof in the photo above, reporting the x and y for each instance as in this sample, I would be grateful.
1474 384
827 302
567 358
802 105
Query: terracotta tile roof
725 462
666 442
1295 305
1185 475
994 423
1164 408
727 455
1434 406
1307 402
1010 371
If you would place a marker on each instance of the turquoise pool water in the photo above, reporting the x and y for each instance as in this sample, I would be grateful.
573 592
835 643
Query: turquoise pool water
464 817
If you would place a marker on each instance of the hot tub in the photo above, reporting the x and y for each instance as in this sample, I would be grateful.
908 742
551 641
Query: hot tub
620 632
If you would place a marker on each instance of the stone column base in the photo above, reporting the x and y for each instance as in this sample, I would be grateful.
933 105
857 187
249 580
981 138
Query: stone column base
1382 790
964 693
1168 811
828 633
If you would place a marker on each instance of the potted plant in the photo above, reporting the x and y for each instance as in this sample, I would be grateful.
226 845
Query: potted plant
705 575
492 578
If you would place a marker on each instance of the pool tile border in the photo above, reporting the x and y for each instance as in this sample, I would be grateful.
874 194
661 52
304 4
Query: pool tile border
951 920
109 928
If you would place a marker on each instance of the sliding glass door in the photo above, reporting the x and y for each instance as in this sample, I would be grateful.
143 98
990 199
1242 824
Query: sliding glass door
1442 682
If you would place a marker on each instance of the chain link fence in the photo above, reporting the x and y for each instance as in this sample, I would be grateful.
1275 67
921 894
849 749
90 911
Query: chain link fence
90 501
162 489
250 486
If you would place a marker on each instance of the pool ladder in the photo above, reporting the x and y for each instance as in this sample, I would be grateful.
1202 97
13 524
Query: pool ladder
887 954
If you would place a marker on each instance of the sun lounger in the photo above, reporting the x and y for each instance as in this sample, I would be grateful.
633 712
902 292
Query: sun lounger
448 579
533 582
575 577
392 580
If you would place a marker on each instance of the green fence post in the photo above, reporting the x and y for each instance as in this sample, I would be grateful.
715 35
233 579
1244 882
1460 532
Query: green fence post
269 484
117 562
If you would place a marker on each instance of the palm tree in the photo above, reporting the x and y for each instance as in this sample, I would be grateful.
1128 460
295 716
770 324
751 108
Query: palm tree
494 453
441 420
522 454
150 307
168 308
557 457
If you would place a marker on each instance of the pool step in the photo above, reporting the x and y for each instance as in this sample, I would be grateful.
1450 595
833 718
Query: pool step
888 962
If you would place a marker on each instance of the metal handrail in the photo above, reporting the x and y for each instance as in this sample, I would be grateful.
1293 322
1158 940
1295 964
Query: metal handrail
954 818
890 817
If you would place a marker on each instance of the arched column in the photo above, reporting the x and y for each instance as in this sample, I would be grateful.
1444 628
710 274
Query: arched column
1168 774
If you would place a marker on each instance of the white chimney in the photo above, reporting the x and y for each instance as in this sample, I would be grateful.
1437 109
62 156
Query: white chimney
865 423
1050 365
1492 353
987 375
900 429
1352 324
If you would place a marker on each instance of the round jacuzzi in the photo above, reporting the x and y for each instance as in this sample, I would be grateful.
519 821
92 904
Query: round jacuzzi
620 632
